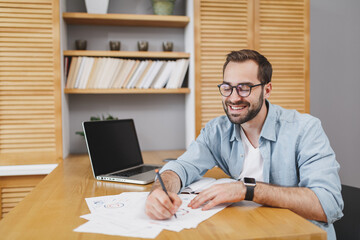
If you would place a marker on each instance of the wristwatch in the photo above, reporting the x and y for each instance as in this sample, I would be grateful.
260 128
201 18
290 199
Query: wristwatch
250 185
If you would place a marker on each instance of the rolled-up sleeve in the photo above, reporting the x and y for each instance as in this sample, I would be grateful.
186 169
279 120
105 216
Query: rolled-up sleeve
318 169
194 163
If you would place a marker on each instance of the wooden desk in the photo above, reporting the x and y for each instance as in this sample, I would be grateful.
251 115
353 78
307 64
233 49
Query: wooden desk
53 209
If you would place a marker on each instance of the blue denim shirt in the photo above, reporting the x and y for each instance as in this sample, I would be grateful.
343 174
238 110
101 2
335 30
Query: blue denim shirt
295 150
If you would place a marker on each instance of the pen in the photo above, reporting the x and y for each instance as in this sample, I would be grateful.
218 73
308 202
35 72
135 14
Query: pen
162 185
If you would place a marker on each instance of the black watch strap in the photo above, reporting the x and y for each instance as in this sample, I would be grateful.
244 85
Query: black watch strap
249 193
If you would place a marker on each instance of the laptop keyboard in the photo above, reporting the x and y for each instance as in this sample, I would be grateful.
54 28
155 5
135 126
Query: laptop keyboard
135 171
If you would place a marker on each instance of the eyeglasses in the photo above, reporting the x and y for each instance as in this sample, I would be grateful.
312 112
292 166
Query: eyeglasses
242 90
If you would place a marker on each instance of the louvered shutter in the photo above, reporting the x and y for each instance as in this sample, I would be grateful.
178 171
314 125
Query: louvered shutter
220 27
30 90
277 29
13 189
282 35
10 197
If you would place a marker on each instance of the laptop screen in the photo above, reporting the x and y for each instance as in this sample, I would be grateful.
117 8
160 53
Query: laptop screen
112 145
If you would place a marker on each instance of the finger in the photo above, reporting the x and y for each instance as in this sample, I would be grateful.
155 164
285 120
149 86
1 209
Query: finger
206 195
161 213
176 201
193 203
152 211
165 206
202 198
154 214
159 205
149 212
159 210
211 204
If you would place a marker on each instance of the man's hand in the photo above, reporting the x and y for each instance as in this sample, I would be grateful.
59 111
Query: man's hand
219 193
300 200
161 206
158 204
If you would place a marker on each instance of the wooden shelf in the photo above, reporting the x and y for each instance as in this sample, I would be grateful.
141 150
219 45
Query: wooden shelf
128 54
136 20
128 91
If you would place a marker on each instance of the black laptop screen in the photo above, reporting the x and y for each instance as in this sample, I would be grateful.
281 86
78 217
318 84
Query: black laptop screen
112 145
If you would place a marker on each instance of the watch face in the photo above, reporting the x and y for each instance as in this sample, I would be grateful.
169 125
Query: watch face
249 180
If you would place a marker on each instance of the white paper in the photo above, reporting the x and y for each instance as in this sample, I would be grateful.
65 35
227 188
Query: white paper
109 228
124 215
205 183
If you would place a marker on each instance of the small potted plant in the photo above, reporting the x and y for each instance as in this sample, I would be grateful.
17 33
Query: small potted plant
92 118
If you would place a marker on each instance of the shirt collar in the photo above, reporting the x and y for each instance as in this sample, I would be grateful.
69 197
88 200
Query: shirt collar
235 133
268 130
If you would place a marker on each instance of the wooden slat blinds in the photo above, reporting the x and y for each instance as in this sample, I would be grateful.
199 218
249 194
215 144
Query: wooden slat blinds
220 27
13 189
282 35
277 29
10 197
30 90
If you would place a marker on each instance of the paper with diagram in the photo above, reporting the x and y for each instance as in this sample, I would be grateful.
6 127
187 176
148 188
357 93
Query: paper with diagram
124 215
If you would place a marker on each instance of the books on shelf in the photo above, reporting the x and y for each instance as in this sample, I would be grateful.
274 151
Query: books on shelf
151 75
107 73
164 75
144 74
72 72
177 75
137 73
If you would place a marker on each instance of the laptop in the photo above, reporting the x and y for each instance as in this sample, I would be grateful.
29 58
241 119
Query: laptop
115 153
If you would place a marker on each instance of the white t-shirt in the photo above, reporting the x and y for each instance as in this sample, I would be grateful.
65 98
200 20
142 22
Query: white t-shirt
253 161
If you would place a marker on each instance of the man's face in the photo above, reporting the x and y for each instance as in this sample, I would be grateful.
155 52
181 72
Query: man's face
243 109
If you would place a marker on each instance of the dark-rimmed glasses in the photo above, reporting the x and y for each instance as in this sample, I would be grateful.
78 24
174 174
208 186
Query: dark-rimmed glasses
242 90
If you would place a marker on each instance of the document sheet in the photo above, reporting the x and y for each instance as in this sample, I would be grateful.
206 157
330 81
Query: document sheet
204 183
124 215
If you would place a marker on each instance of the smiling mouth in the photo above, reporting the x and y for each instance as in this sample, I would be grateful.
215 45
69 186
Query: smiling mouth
236 108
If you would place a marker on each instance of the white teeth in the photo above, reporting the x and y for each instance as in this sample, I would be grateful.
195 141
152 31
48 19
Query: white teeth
237 108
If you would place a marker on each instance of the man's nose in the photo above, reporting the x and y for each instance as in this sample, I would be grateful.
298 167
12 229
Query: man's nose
234 95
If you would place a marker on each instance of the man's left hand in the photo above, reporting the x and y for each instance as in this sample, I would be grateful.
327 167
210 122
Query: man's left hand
219 193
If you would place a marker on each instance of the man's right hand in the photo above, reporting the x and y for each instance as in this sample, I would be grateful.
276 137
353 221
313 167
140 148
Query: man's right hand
161 206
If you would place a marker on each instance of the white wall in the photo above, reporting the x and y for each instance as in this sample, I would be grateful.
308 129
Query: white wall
190 98
335 79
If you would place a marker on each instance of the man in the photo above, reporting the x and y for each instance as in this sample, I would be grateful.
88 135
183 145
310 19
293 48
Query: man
287 153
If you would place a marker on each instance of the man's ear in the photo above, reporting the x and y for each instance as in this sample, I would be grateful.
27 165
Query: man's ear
267 90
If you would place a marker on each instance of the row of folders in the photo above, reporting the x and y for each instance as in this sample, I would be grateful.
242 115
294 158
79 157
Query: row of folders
106 72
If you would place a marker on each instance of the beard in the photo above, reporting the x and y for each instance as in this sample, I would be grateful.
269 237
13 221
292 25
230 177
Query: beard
253 110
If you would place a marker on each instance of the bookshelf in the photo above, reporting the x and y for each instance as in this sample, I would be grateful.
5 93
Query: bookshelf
151 108
132 20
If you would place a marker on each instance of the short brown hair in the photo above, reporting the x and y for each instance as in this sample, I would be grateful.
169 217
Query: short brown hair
265 68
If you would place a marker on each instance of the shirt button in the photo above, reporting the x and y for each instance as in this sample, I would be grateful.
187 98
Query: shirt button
241 155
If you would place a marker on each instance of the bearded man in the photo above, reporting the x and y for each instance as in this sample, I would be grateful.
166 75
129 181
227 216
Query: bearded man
281 158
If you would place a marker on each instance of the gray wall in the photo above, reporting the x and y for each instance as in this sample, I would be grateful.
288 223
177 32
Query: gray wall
159 119
335 79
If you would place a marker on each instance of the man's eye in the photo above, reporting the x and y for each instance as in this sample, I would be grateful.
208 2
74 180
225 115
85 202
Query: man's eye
243 88
226 88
